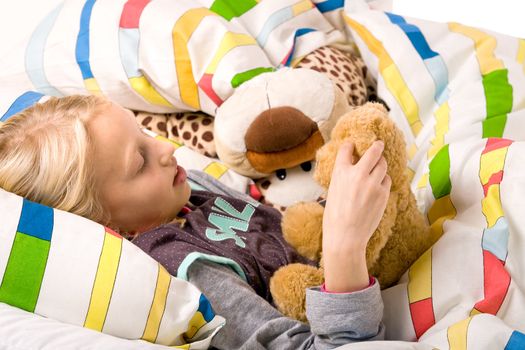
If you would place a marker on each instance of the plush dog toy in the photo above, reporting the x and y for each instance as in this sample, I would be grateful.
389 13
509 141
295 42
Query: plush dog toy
401 237
273 124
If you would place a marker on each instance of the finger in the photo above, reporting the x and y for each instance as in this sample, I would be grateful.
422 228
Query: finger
387 182
346 153
372 155
379 171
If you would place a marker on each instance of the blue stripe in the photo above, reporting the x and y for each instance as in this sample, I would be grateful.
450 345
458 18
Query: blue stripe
27 99
435 64
36 220
34 55
439 72
516 341
496 239
276 19
205 308
82 47
129 51
330 5
298 33
414 34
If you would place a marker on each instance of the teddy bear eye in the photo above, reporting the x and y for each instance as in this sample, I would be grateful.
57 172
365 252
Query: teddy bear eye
306 166
281 174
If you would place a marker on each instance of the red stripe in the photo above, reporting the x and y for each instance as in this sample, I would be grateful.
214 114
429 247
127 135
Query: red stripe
113 233
496 143
422 316
206 85
131 13
495 179
496 284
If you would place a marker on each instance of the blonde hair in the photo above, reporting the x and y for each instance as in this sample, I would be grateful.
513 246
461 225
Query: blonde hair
46 155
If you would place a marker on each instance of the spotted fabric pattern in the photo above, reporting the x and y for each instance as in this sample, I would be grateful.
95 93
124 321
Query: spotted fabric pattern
346 70
193 129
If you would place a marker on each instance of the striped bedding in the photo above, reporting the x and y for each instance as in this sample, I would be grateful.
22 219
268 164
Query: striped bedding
457 92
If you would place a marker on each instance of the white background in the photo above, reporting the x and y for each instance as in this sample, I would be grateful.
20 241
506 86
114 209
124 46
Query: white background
504 16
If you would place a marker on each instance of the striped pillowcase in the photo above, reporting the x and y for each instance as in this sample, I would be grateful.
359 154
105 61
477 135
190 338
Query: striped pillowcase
70 269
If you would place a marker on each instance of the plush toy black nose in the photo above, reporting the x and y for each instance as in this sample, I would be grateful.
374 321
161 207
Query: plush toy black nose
279 129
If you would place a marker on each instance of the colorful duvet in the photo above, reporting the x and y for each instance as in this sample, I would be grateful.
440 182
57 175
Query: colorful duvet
458 94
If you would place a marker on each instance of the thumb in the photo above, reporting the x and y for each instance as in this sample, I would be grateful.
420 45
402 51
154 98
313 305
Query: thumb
346 153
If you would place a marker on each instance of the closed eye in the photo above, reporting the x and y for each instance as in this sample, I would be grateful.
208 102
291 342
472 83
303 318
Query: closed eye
144 161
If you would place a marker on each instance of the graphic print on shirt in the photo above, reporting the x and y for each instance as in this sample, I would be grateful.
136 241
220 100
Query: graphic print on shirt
226 218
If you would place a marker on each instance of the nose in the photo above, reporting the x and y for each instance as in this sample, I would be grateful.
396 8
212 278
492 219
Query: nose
166 150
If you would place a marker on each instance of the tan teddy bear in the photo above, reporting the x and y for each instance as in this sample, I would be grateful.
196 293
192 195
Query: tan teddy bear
401 237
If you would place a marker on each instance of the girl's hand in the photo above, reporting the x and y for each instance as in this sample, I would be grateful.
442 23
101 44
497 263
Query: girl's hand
356 201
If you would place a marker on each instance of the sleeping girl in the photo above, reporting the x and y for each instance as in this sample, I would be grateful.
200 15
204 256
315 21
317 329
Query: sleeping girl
88 156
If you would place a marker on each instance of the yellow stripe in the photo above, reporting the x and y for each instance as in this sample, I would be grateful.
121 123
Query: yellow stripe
442 116
216 169
420 278
442 209
521 53
158 305
412 151
474 312
143 87
423 181
181 34
301 7
485 46
491 206
491 163
229 41
393 78
296 61
92 86
185 346
104 282
173 142
196 323
457 335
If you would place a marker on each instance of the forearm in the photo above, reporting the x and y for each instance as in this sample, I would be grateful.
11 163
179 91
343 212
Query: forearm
252 323
345 269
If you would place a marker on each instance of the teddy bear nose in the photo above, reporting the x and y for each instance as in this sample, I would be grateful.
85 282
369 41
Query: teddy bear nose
278 129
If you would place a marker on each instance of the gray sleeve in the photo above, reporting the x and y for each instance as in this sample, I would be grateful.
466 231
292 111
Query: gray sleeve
252 323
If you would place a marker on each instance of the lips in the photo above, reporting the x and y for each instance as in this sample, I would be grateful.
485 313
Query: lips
180 176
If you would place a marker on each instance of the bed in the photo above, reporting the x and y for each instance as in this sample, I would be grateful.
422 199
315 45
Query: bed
457 93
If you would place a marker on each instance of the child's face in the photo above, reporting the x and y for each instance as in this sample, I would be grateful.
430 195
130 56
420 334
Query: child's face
137 176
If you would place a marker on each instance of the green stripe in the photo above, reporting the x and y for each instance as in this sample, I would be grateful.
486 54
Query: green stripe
240 78
494 126
498 95
24 272
232 8
440 173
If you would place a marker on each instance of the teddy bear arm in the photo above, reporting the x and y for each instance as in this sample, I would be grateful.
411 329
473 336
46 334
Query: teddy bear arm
302 228
288 288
